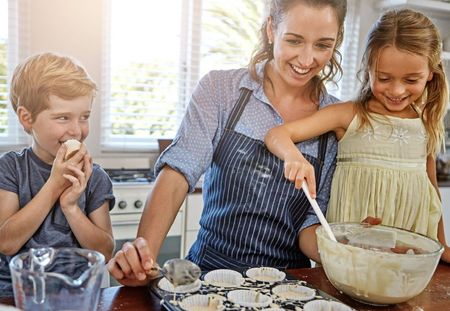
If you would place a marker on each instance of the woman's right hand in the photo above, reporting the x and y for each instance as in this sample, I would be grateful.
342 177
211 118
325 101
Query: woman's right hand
297 169
132 265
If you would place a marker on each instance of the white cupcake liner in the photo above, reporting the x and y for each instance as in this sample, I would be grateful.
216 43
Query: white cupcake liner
325 305
203 302
224 278
266 274
294 292
248 298
165 285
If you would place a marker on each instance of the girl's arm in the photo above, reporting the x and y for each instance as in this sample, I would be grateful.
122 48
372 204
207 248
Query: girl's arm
431 171
280 140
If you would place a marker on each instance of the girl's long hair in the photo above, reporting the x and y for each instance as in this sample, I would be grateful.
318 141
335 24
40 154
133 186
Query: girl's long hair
276 10
411 32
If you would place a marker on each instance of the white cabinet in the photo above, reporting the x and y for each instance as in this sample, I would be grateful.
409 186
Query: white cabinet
194 208
445 195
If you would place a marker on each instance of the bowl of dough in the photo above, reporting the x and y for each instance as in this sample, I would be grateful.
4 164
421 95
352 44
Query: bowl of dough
378 265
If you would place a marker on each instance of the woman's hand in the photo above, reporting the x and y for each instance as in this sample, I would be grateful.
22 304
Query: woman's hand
297 169
133 264
446 254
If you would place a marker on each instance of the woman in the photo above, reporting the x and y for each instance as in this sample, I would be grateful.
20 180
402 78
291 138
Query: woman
252 215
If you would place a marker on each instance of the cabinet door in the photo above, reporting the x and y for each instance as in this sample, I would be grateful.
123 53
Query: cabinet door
194 208
445 195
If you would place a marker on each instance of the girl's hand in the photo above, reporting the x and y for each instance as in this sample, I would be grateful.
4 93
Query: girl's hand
297 169
77 179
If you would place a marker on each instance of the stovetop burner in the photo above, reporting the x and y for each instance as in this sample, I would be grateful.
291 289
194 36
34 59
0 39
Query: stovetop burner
122 175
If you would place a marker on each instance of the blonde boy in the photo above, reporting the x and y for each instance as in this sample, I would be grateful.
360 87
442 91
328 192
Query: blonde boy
47 200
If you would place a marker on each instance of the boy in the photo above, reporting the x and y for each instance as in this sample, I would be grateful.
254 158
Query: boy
46 198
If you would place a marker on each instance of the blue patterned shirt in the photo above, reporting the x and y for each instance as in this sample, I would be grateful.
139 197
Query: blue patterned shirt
193 147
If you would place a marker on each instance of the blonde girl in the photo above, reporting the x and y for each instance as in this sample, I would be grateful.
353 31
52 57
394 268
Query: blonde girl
389 137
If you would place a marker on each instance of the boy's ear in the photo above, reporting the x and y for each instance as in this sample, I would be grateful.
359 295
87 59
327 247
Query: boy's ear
25 118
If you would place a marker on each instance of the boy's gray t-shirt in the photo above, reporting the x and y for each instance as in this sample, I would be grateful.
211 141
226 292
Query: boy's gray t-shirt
24 174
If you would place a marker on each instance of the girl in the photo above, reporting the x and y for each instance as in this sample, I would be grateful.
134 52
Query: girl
388 137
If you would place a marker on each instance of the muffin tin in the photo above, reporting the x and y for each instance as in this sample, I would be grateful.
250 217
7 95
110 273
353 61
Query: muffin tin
249 293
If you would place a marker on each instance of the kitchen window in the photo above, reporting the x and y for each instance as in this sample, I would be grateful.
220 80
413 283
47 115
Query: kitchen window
155 53
11 133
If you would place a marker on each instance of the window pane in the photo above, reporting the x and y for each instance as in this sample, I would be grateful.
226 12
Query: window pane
145 54
3 68
230 33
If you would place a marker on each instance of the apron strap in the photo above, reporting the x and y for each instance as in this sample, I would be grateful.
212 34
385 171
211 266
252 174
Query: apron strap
236 113
238 108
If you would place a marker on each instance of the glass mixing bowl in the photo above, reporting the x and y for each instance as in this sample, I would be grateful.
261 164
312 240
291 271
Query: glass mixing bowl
378 275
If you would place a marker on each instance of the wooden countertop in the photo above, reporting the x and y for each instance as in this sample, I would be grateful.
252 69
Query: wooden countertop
435 297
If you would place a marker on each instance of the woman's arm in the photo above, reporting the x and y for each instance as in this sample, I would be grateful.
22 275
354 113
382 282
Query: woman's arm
131 265
431 171
307 242
280 140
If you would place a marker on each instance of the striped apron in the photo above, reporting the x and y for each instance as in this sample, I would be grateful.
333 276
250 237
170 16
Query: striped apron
252 214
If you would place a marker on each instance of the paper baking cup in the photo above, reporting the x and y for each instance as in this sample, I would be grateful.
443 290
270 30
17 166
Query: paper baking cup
325 305
295 292
249 298
202 302
165 285
266 274
224 278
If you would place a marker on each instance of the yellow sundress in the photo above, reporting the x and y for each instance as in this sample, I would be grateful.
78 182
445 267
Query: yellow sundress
381 172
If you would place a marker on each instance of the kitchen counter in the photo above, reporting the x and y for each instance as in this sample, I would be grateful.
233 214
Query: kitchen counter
435 297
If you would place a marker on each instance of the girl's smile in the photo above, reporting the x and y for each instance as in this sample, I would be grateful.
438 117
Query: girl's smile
397 81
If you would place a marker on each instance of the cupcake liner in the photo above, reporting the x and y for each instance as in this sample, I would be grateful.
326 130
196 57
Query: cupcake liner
165 285
248 298
224 278
266 274
295 292
202 302
325 305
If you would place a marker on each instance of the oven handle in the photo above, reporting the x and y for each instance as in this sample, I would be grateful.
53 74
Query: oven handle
125 223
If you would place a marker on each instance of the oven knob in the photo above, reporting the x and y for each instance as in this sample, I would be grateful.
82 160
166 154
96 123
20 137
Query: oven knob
138 204
122 204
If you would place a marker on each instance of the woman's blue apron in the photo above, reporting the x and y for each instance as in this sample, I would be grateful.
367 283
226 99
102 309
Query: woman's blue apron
252 214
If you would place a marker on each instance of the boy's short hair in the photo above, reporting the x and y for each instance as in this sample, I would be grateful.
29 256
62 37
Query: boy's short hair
46 74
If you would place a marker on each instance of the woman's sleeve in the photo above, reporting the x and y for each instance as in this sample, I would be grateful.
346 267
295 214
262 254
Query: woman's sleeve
193 146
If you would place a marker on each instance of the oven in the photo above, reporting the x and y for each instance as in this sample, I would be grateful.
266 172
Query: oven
131 189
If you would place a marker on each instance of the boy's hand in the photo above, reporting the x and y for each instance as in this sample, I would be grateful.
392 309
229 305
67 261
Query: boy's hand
297 169
60 167
78 179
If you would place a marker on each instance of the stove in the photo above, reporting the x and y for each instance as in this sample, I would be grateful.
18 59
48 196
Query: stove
143 175
131 188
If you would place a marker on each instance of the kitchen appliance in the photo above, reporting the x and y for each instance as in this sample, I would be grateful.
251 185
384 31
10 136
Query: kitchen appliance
131 188
57 279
